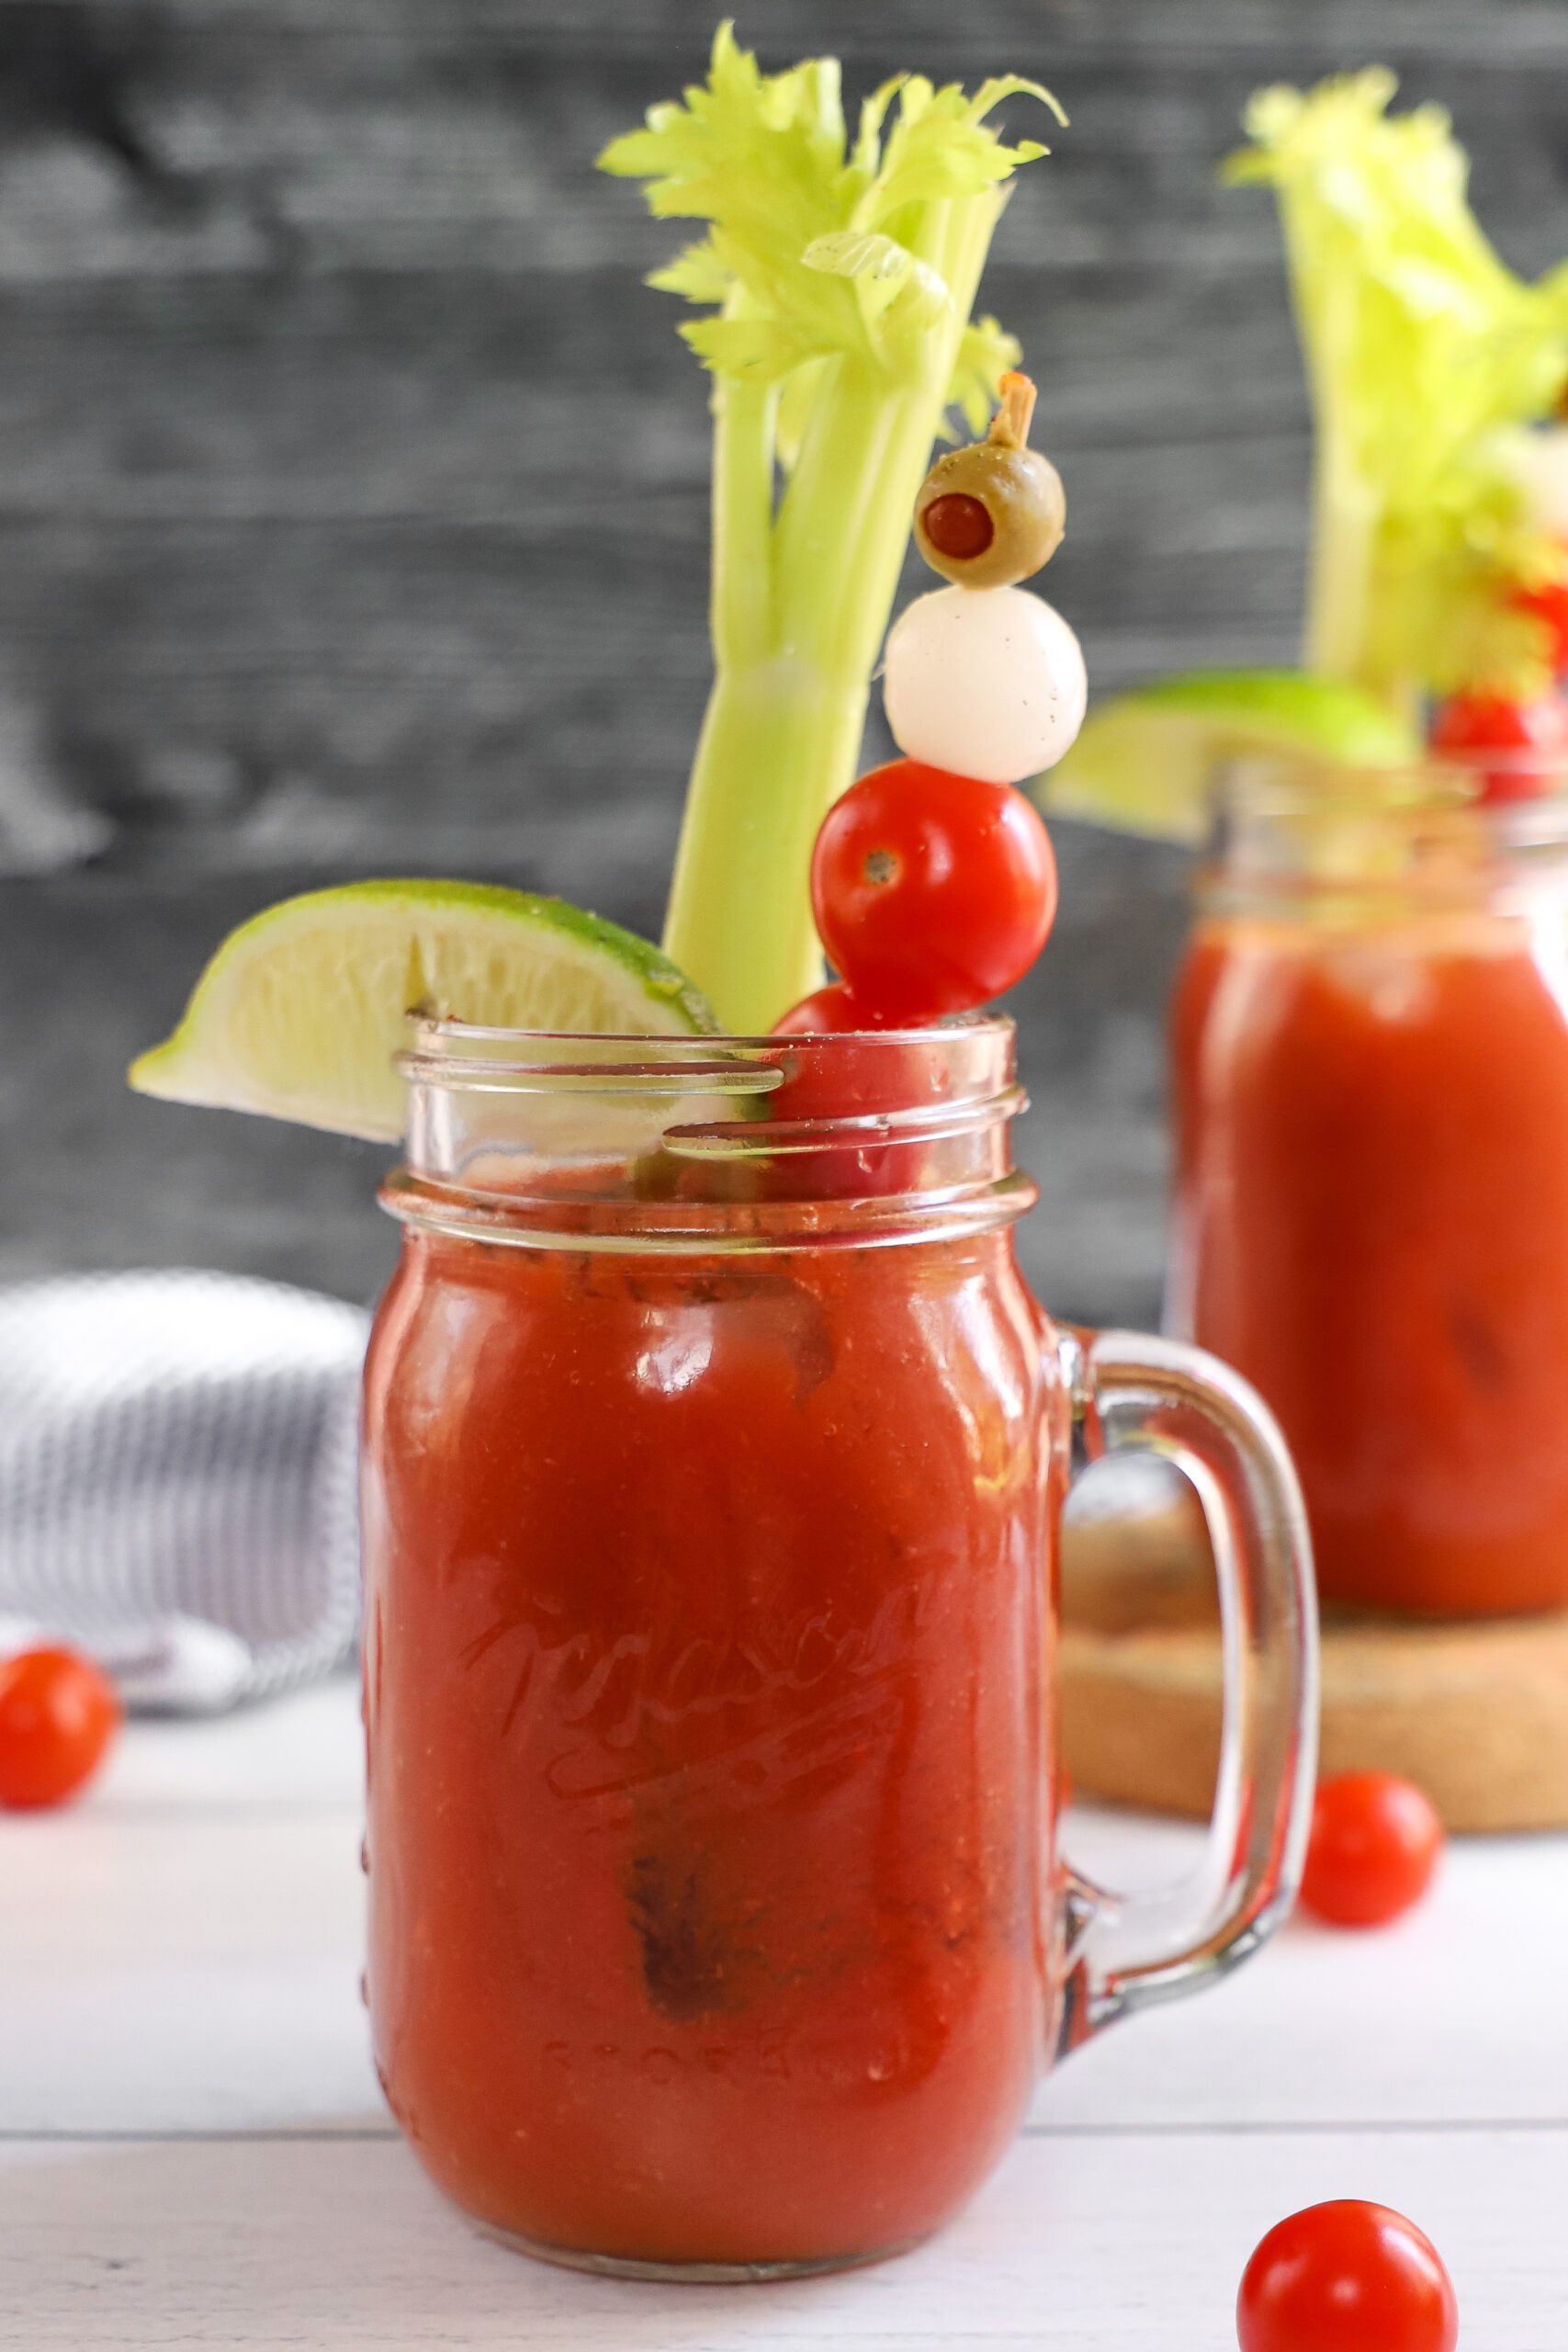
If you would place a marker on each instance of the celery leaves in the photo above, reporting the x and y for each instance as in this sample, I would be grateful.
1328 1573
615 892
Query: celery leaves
814 249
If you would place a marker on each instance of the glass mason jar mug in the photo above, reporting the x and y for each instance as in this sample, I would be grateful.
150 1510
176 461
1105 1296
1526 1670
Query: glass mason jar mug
714 1463
1369 1078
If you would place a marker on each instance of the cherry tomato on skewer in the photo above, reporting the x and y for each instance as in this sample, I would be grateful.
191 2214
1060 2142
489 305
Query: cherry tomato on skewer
58 1714
828 1012
932 891
1375 1848
865 1076
1347 2277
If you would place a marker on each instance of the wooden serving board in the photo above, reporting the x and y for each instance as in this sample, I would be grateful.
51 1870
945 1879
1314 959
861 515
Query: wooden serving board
1474 1711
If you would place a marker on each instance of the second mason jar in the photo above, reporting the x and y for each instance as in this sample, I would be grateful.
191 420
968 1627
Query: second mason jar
1370 1045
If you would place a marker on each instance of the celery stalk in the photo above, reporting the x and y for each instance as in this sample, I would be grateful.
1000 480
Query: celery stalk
843 275
1423 351
770 730
785 721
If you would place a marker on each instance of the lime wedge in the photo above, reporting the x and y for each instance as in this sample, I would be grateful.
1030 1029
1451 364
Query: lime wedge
1145 763
302 1009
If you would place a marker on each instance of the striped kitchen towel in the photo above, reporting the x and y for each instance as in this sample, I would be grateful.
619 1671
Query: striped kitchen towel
177 1464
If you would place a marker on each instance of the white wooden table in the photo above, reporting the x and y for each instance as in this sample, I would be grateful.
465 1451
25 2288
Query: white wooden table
193 2151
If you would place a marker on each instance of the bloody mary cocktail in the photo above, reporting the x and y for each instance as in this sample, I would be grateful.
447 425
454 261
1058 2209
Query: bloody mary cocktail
714 1460
708 1610
710 1811
1371 1082
714 1451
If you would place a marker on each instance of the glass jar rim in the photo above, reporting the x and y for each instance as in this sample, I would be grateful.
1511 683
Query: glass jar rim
1353 846
712 1141
693 1051
1300 784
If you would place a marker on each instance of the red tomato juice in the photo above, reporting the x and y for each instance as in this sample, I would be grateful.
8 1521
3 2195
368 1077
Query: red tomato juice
710 1819
1372 1224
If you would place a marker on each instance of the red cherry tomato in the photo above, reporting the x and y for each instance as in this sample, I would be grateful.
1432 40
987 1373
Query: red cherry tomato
858 1076
1548 603
1528 739
1346 2278
1374 1847
932 891
827 1012
58 1713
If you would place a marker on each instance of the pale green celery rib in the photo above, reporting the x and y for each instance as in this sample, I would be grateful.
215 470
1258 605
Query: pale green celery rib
801 600
1347 513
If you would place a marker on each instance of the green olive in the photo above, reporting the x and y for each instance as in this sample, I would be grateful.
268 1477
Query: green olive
991 514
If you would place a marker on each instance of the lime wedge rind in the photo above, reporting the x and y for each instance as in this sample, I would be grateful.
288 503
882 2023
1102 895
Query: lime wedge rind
1147 761
300 1012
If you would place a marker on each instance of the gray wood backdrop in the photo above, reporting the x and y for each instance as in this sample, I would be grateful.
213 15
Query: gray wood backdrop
352 512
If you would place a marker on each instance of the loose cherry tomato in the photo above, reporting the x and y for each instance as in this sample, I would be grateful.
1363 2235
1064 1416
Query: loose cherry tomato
1548 603
1347 2277
58 1713
932 891
1528 739
827 1012
1374 1846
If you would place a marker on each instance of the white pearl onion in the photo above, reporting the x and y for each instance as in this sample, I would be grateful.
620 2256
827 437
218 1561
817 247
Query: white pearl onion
985 682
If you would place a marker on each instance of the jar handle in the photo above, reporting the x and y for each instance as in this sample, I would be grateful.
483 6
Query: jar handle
1128 1951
